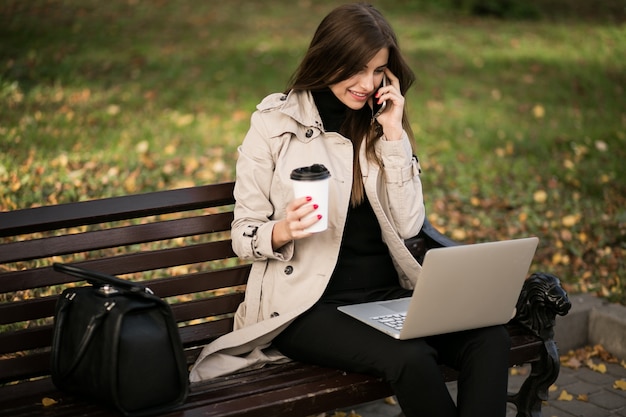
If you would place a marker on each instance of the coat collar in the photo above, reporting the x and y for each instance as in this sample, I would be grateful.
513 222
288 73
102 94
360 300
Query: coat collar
303 119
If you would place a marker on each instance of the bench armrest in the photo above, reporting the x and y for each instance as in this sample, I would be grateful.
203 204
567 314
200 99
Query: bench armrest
428 238
540 300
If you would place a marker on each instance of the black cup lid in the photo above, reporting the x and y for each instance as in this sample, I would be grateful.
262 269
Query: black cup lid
314 172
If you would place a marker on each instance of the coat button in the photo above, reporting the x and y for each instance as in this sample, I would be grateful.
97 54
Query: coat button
274 314
288 269
283 98
309 133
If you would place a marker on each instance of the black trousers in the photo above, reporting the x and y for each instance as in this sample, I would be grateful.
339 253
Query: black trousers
327 337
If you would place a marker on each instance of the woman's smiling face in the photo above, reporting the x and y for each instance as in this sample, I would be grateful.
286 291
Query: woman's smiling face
355 91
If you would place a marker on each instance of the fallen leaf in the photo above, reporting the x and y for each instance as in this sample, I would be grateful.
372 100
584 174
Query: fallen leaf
459 234
113 109
601 368
539 111
604 355
47 402
569 220
573 363
343 414
519 371
565 396
182 120
540 196
142 147
391 401
583 398
601 146
620 384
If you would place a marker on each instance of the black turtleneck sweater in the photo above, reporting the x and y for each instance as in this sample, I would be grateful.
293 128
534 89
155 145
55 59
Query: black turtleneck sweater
331 110
364 262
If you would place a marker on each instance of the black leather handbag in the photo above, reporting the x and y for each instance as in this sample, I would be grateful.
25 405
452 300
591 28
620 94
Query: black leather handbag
117 343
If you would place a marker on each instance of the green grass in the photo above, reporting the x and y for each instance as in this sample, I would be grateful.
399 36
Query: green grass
520 124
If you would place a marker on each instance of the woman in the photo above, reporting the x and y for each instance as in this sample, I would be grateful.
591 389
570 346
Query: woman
298 279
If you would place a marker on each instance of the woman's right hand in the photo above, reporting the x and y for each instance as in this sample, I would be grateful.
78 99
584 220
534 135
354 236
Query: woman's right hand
293 226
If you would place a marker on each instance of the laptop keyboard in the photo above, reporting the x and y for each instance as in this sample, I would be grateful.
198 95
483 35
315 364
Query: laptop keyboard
395 321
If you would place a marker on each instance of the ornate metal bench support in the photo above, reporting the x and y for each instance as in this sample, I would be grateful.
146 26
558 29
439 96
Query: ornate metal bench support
541 299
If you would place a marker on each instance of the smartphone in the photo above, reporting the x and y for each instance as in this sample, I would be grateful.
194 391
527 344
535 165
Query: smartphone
379 108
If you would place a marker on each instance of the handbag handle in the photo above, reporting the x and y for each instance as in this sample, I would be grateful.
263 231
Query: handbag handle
94 323
99 278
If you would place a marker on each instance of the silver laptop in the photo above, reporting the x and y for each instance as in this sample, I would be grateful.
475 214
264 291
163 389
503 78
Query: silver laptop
460 287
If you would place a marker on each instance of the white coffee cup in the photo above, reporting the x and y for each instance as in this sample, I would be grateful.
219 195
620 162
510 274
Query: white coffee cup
313 181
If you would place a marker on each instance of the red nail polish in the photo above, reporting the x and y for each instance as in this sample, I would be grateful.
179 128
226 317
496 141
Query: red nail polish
309 198
315 206
319 217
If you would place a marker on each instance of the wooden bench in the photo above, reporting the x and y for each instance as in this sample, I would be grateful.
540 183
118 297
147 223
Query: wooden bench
178 242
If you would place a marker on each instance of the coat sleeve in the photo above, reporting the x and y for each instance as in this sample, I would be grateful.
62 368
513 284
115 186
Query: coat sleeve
402 185
254 212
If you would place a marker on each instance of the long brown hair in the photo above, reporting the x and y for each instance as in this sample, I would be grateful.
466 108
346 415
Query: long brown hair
345 41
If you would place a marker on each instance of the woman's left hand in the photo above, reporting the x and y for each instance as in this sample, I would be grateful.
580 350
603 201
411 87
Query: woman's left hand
391 118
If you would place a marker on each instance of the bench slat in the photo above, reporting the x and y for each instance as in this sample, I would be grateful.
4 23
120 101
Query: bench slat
208 307
201 281
38 363
163 258
26 339
306 387
119 265
195 336
24 400
31 309
59 216
112 238
43 307
41 336
21 367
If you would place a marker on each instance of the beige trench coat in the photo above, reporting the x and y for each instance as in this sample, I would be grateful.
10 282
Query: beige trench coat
286 132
